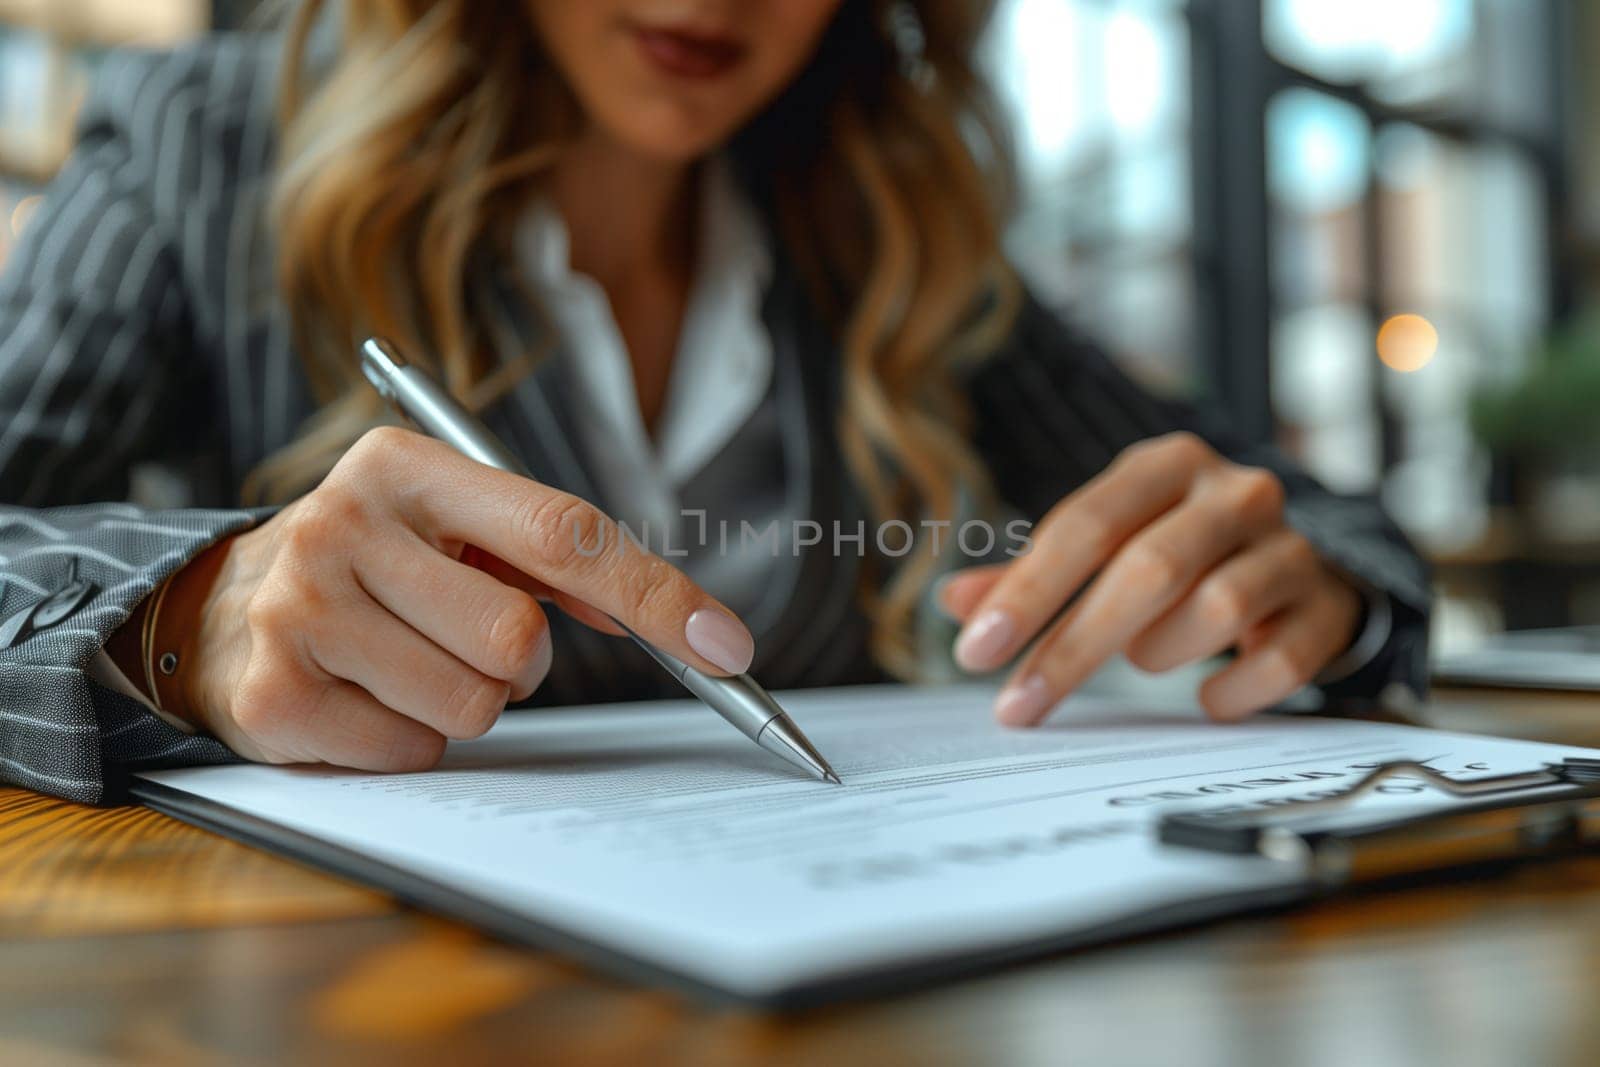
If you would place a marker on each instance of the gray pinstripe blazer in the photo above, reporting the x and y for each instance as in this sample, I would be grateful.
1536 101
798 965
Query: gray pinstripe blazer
138 322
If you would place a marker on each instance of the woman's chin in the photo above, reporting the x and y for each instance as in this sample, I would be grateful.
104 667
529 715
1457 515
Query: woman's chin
668 138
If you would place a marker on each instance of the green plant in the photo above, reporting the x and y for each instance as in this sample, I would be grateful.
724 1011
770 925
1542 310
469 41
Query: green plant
1555 406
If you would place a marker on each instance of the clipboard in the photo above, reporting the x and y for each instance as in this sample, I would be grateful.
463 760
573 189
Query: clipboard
1538 813
1270 849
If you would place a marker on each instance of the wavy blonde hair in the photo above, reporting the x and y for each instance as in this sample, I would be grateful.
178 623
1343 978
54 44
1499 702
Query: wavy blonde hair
405 160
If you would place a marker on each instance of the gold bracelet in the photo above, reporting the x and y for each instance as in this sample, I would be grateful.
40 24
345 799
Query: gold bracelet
147 645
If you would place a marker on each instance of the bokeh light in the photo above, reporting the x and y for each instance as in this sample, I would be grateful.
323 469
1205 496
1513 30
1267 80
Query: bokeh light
1407 343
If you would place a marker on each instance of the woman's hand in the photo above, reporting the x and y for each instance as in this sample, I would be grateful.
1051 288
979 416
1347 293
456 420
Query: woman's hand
348 630
1193 557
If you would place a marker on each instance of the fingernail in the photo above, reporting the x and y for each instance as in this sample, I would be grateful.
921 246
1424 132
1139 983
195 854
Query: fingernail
984 641
1023 703
533 675
721 639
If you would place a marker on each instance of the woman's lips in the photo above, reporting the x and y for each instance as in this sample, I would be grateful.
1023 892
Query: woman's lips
689 55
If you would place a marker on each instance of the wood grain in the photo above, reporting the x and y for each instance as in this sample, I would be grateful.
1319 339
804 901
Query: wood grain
69 870
133 938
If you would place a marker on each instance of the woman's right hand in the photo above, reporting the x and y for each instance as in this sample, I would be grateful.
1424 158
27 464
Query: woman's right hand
347 629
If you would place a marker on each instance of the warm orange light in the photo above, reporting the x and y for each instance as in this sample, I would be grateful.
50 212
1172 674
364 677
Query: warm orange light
1407 343
24 211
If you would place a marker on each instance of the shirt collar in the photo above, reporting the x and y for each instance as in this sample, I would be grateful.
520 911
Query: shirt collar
723 365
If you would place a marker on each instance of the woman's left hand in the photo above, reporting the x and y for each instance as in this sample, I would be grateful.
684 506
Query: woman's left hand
1193 557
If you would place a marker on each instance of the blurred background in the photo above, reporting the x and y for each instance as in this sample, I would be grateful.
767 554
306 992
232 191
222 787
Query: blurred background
1367 229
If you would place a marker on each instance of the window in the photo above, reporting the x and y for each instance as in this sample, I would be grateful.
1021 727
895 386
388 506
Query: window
1100 97
1414 166
1244 197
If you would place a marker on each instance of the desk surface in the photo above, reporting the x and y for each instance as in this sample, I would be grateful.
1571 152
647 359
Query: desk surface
129 935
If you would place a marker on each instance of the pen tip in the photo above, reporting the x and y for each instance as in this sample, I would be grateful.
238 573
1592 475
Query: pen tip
829 776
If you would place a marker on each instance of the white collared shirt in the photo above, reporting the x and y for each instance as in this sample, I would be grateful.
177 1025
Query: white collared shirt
720 372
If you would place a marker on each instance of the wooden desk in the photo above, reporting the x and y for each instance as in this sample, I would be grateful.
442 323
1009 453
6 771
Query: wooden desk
131 936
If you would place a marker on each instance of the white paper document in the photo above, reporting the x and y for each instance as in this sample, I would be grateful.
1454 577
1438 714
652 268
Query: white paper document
659 834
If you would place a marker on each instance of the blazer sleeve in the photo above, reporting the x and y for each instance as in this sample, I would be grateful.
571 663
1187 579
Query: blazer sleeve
96 366
1052 411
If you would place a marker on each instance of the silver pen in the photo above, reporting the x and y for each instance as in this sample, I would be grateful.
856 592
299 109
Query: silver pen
739 699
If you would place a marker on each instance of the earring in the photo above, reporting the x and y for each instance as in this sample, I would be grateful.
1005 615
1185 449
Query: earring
903 27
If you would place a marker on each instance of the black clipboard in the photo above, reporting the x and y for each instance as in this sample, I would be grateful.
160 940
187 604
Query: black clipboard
1539 813
1549 811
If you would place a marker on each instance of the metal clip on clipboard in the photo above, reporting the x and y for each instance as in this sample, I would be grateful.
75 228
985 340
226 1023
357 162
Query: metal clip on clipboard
1543 812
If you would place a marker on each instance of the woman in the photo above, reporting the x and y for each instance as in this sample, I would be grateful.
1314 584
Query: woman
706 265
